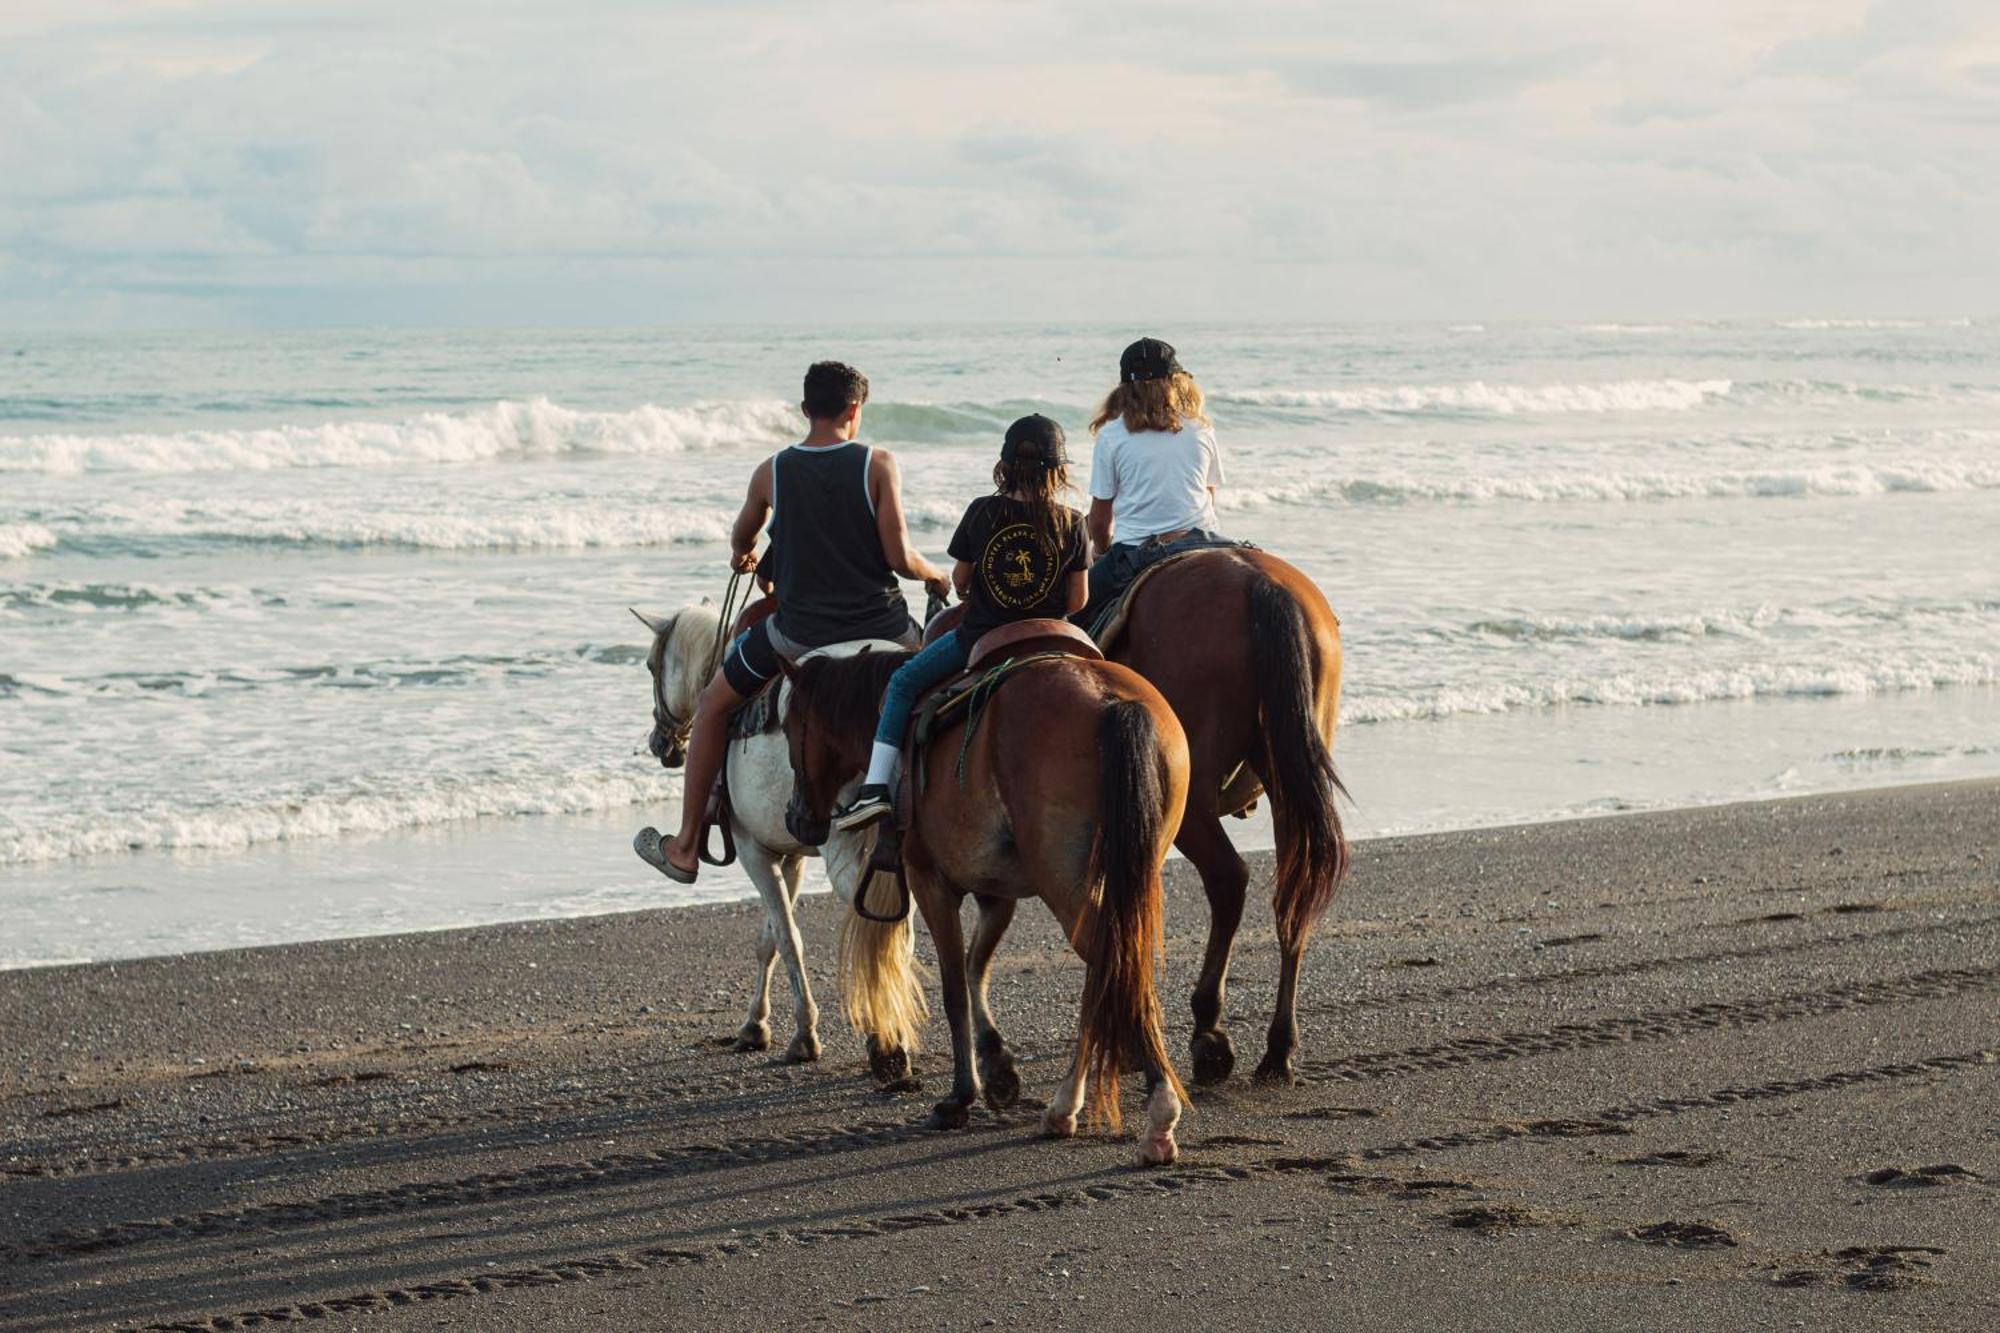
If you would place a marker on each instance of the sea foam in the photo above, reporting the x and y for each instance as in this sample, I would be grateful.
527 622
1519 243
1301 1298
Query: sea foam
1664 395
533 428
362 807
1635 689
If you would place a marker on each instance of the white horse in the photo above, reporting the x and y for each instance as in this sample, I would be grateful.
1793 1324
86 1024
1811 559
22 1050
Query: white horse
759 771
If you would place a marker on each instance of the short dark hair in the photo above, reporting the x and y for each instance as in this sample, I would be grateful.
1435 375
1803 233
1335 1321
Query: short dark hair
831 388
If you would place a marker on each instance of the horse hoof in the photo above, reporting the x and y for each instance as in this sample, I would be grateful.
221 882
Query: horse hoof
890 1065
802 1051
1003 1085
1276 1072
1158 1150
948 1115
1056 1125
1214 1057
753 1037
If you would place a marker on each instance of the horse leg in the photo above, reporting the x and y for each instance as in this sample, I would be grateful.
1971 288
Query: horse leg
1283 1040
805 1013
940 908
1226 881
1163 1112
1059 1120
996 1062
755 1034
771 887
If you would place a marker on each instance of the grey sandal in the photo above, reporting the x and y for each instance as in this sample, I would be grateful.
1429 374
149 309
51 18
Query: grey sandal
652 850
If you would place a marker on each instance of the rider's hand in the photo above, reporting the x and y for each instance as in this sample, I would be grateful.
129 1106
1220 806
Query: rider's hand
744 562
939 586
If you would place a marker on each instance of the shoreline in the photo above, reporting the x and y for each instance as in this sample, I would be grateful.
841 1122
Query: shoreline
1731 1066
468 874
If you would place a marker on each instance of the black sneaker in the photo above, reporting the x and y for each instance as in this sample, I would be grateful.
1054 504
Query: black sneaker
871 803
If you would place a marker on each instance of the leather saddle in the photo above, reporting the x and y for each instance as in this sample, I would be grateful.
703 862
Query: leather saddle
995 656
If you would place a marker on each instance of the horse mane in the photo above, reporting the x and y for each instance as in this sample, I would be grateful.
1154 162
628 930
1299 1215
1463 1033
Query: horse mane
844 694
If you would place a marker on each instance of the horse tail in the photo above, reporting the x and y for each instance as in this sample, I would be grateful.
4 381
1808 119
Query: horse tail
1122 934
880 992
1298 770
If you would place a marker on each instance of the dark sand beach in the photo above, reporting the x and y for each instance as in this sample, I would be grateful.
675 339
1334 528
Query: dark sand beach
1731 1067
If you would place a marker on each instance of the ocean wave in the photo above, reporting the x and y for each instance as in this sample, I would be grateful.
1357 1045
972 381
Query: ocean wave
1477 396
357 806
1737 624
1803 325
122 597
536 428
397 673
21 539
1748 681
638 520
1403 488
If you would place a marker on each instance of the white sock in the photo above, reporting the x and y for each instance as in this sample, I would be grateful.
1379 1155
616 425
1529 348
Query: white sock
883 762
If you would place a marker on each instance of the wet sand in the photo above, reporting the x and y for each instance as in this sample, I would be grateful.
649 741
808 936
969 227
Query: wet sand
1715 1068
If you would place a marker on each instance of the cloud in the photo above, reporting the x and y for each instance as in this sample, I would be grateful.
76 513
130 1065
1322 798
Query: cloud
214 163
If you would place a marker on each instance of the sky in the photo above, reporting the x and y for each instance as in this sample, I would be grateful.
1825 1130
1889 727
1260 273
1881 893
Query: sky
248 164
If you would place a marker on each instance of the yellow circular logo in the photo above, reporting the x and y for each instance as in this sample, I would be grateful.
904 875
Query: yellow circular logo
1018 568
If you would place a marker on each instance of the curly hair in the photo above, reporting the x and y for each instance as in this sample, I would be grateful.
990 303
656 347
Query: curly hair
831 388
1153 404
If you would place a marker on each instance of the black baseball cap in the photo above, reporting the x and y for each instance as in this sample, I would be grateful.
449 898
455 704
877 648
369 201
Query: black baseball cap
1036 439
1148 359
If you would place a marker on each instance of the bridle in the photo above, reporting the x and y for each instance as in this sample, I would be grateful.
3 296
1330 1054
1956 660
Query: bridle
670 730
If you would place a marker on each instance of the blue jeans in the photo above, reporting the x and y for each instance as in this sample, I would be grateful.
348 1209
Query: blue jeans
933 666
1114 571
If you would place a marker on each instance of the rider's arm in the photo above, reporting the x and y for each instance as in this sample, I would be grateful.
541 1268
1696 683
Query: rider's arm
1077 593
885 488
750 520
961 578
1098 524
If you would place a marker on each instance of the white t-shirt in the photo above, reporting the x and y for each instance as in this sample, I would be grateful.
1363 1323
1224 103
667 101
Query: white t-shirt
1157 480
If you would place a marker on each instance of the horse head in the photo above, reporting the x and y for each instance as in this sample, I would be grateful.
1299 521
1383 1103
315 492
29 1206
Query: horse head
677 678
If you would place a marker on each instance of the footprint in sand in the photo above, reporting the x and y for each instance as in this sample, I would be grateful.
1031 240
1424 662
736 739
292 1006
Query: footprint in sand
1683 1235
1923 1177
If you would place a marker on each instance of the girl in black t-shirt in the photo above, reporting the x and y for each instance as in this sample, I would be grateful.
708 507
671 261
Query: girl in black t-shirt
1021 555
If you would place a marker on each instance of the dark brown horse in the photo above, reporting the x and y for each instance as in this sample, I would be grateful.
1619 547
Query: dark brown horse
1247 651
1069 789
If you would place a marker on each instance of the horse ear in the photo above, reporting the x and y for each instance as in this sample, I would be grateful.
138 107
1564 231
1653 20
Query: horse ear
652 623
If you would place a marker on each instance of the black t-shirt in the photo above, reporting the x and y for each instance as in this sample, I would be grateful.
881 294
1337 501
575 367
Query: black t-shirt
1015 574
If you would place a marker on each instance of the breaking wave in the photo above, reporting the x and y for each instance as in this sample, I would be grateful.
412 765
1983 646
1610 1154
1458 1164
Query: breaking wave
1478 396
19 539
1849 480
1746 681
536 428
358 806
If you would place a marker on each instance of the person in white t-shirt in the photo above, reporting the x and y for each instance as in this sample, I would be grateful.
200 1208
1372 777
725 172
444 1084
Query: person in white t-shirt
1153 473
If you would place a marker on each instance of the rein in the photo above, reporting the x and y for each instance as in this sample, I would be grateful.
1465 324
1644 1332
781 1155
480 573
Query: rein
678 728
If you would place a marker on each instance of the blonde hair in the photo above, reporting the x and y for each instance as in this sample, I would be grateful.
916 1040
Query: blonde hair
1153 404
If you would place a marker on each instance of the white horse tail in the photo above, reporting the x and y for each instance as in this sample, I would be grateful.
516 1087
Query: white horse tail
881 993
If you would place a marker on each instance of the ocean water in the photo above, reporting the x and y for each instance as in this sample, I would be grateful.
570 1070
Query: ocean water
319 634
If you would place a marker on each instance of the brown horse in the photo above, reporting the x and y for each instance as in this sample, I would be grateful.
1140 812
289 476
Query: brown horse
1247 651
1069 789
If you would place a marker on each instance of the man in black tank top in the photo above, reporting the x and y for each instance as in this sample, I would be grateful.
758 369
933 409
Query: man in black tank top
838 543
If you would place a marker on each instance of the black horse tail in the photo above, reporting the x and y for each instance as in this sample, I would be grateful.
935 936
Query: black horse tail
1298 768
1122 935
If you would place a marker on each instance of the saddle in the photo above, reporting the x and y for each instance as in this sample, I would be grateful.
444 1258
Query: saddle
997 654
1111 624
